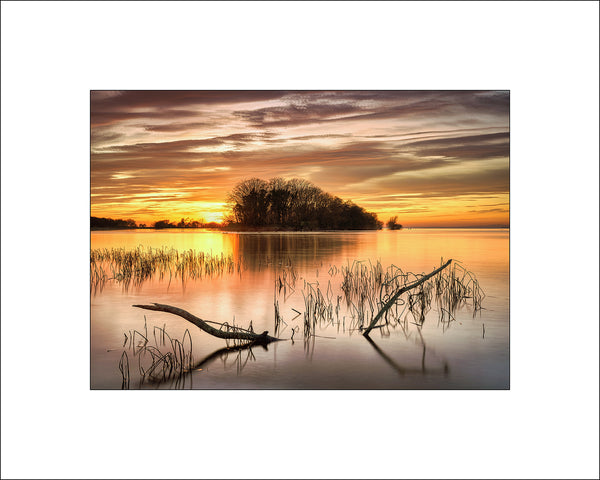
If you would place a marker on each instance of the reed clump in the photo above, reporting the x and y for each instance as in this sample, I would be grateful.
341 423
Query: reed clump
165 358
368 289
369 295
457 288
134 266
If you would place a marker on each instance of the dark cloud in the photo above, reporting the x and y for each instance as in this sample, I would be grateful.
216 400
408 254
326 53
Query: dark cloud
484 181
247 137
176 127
352 106
295 114
468 152
463 140
125 99
302 107
111 117
472 147
109 107
434 133
490 210
474 98
172 147
315 137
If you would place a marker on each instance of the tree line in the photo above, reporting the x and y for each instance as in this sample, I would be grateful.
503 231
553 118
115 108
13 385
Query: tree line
98 223
295 204
280 204
110 223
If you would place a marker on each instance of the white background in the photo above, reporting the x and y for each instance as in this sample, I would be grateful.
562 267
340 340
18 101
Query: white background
546 426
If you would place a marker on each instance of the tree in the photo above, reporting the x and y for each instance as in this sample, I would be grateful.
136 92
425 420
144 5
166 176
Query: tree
249 202
393 224
164 224
297 204
110 223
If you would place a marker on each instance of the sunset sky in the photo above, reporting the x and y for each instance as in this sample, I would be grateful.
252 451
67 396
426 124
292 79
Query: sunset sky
432 158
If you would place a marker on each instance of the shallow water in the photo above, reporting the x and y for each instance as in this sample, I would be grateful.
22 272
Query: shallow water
469 352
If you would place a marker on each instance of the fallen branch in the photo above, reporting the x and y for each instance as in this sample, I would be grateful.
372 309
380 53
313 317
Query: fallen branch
406 288
238 334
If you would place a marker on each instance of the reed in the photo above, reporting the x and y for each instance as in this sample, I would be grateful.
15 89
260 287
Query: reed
124 369
167 359
369 290
358 297
456 287
140 264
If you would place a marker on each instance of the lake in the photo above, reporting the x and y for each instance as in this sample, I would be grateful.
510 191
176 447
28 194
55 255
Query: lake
465 350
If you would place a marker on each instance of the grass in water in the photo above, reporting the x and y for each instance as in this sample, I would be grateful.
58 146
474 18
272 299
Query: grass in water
129 267
366 287
351 299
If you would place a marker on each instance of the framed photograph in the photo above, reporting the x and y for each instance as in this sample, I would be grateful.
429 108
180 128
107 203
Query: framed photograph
299 239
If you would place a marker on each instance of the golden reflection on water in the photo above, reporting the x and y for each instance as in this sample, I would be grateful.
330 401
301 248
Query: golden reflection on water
472 361
409 249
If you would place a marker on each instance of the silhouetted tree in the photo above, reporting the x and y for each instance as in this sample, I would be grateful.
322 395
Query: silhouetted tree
110 223
249 201
164 224
296 204
393 224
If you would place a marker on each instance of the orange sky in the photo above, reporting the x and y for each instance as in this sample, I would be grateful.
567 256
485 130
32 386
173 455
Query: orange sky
432 158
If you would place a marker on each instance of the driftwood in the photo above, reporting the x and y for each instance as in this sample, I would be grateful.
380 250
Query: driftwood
236 334
404 289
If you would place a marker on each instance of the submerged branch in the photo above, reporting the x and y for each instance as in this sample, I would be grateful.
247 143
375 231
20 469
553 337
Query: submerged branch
239 334
404 289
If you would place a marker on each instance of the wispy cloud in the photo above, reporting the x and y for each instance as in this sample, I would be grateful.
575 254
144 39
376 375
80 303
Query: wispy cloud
386 148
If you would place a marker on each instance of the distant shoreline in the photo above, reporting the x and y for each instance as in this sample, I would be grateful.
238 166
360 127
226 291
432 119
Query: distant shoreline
258 230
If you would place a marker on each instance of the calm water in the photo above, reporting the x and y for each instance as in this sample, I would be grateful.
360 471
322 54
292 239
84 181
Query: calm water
469 352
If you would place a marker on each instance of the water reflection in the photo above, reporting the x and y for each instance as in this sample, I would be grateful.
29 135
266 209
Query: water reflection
445 370
274 249
133 267
175 376
429 341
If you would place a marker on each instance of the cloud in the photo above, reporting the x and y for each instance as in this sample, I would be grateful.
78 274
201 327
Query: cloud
312 107
101 136
348 163
315 137
490 210
493 145
462 140
383 147
111 117
295 114
444 184
102 99
110 107
177 153
176 127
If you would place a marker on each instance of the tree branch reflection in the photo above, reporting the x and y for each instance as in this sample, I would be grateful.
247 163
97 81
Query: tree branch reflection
178 379
445 370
